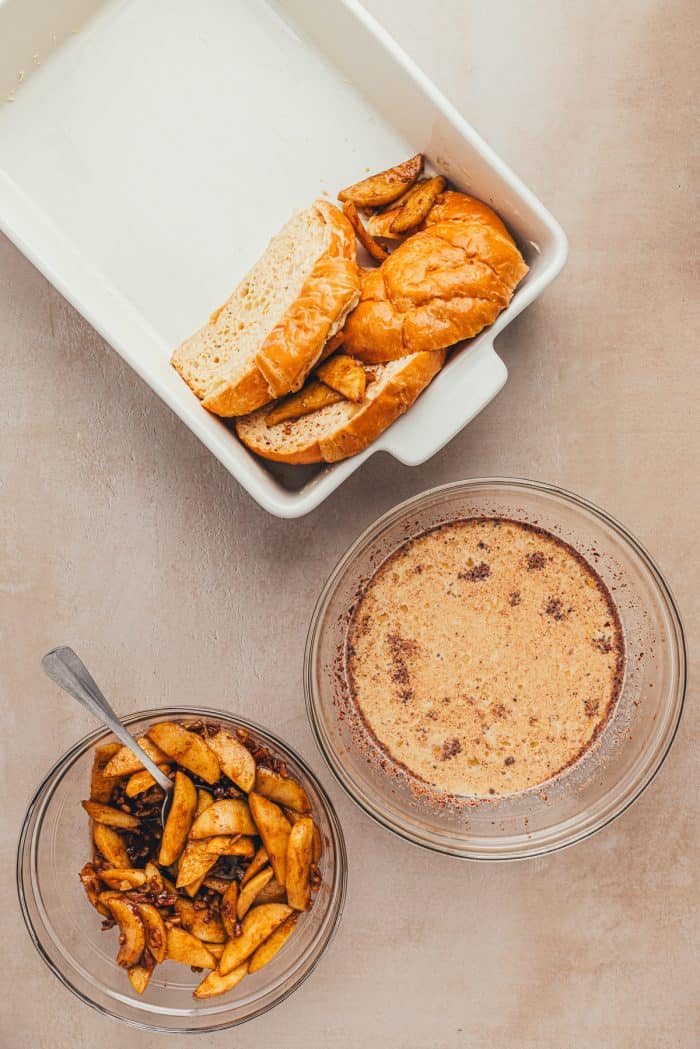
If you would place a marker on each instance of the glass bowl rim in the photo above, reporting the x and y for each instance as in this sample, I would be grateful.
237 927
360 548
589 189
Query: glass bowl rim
372 533
54 776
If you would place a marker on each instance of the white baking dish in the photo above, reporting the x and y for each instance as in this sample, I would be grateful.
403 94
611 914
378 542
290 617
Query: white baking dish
150 148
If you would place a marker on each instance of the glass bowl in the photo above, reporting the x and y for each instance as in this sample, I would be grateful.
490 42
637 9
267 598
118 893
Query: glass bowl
609 775
66 931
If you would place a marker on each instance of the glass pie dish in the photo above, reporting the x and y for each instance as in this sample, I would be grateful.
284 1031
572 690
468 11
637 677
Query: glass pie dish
608 776
54 845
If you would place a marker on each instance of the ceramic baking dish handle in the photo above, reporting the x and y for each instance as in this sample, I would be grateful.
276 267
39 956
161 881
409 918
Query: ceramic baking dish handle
464 386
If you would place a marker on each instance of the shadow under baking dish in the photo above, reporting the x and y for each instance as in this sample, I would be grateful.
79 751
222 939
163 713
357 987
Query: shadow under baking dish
54 845
608 776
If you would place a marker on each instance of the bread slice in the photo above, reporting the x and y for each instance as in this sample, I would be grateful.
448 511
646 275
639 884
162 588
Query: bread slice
344 429
265 339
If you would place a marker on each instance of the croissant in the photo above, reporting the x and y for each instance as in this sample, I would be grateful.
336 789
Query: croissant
445 283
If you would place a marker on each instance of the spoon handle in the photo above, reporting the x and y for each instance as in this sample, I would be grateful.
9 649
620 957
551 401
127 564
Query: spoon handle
67 669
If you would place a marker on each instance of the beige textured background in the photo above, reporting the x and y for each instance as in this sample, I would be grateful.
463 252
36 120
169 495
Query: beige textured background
121 535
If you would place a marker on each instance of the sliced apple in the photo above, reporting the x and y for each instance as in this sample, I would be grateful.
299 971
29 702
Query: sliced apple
110 844
282 789
154 878
217 884
132 936
258 924
123 878
229 904
109 816
251 890
186 948
267 950
125 762
240 846
93 888
309 399
373 247
179 820
107 895
101 786
228 816
193 888
344 374
274 828
273 892
200 923
299 857
259 860
236 760
294 817
140 974
214 983
204 800
186 749
414 206
140 782
154 928
200 856
385 186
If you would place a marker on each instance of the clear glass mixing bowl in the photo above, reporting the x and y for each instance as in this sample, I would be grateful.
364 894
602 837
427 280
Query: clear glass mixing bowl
607 778
54 845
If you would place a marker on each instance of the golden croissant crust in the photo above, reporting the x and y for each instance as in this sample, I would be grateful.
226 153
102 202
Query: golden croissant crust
444 284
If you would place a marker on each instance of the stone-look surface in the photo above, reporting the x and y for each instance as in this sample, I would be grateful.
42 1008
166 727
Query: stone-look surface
121 535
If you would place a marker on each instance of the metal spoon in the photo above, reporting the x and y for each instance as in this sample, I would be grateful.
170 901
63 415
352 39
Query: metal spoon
67 669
